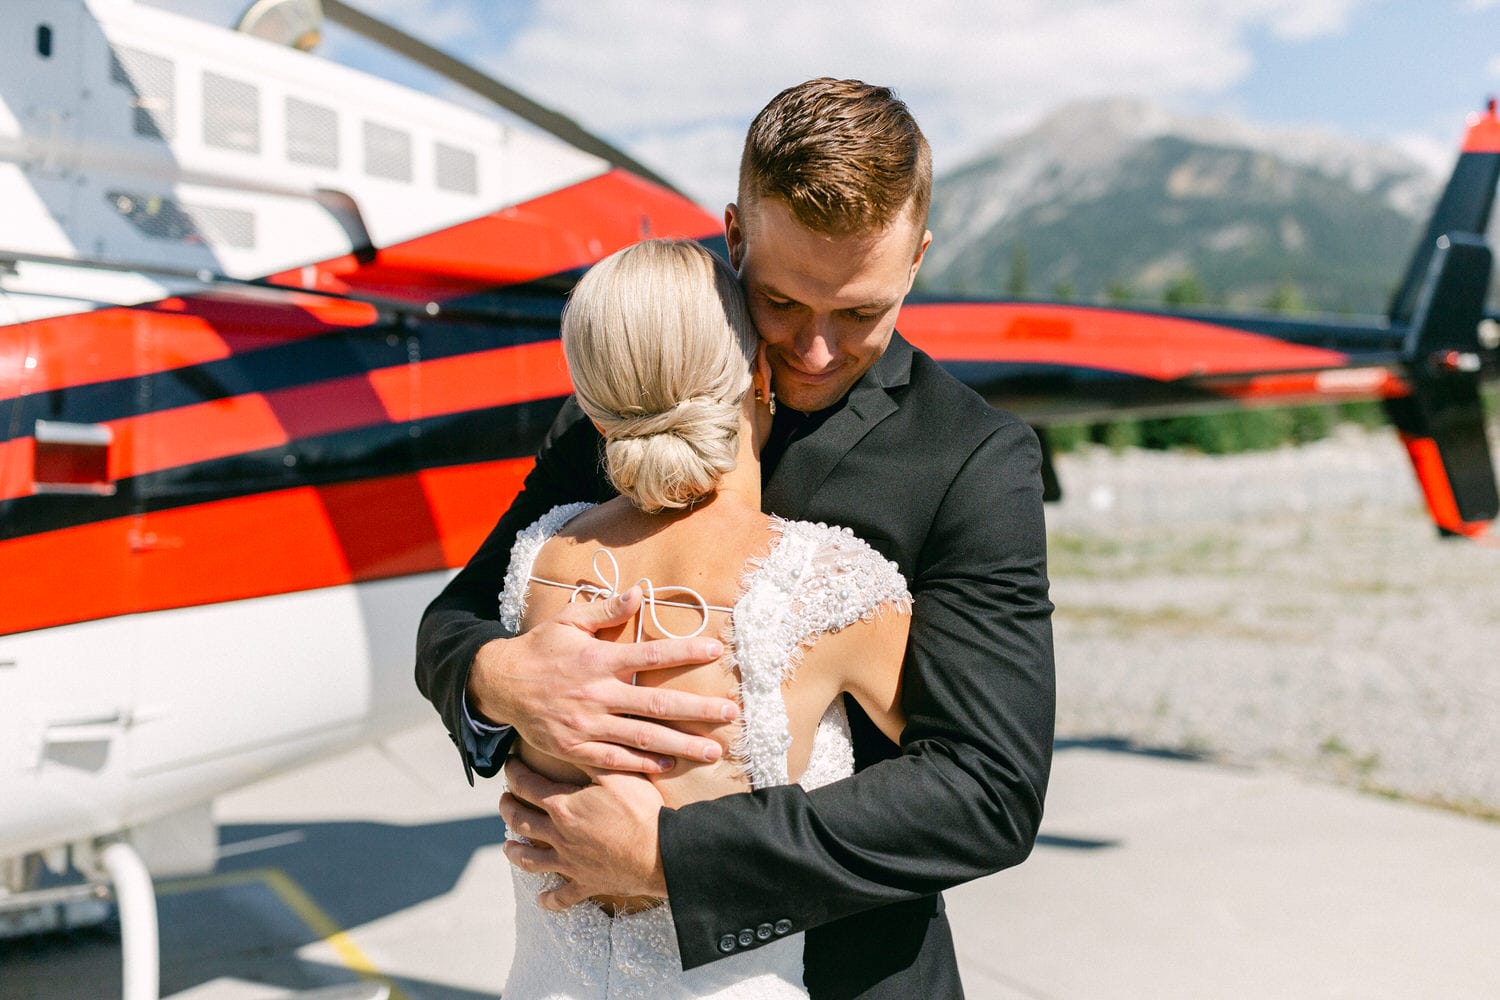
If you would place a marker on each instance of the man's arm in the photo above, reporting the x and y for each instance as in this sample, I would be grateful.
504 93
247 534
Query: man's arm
964 798
466 614
566 691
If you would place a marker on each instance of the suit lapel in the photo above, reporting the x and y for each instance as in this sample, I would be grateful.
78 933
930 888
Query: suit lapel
808 462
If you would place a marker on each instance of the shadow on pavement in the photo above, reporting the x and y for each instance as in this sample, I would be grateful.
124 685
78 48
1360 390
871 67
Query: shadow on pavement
243 922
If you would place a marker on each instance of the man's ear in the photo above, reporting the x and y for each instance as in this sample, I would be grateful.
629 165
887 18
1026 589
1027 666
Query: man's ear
916 262
734 235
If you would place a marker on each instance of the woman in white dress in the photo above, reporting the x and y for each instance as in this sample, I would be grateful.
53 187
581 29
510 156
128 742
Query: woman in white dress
666 363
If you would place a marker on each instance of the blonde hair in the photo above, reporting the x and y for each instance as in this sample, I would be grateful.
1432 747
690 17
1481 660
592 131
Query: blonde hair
660 346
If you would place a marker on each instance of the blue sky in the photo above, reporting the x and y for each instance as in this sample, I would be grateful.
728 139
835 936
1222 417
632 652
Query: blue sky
675 82
1397 68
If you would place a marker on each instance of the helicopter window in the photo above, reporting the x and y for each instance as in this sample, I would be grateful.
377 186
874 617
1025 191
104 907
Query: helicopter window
231 114
387 152
44 41
457 170
151 81
172 221
312 133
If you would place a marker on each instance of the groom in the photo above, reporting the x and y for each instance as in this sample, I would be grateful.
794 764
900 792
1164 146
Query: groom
827 233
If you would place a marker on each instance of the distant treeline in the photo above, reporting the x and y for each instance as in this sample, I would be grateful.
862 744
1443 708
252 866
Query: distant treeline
1220 433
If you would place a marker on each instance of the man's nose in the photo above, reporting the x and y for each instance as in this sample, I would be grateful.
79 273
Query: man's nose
815 344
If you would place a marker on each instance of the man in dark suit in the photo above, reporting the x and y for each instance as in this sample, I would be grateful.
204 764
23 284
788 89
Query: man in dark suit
828 233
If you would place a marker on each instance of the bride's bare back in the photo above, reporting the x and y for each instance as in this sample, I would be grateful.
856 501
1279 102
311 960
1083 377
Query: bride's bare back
709 548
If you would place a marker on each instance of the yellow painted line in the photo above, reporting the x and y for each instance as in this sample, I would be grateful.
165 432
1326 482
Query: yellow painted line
300 903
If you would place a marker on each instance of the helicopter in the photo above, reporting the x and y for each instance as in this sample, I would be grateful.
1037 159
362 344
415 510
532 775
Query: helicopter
279 340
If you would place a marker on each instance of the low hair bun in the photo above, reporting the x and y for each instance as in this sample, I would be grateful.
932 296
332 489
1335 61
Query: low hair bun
659 345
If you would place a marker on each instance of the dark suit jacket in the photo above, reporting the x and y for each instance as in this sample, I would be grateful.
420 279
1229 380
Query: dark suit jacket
950 490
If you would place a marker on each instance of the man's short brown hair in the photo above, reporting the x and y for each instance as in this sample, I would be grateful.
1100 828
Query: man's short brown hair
844 156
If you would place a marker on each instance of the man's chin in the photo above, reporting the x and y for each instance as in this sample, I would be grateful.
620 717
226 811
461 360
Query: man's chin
808 401
808 398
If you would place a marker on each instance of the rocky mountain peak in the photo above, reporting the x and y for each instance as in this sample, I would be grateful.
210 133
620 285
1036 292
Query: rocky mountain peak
1121 190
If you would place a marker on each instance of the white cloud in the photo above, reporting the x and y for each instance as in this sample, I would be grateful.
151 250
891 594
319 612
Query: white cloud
676 81
1437 155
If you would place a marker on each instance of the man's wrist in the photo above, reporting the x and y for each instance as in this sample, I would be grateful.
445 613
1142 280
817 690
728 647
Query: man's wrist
659 873
488 662
477 721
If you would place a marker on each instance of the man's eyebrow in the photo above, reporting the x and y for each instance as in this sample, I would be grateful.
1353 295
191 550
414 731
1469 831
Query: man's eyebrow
769 290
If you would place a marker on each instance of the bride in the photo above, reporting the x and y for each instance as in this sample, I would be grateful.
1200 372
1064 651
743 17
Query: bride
666 363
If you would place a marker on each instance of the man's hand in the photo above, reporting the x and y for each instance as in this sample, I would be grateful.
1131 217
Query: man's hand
601 837
569 694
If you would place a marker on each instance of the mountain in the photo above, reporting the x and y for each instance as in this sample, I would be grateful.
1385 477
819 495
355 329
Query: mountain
1119 197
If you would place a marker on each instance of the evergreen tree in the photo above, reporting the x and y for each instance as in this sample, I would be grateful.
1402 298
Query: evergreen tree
1185 290
1287 298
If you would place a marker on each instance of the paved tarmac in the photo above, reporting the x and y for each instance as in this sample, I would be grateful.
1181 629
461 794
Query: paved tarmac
1156 876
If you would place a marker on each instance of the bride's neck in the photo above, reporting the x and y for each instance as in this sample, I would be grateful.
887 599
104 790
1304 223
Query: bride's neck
743 481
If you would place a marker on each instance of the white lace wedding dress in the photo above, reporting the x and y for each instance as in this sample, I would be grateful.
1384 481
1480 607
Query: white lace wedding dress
815 579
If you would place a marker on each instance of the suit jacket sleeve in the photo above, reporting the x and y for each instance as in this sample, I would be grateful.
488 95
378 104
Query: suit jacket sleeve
466 614
964 797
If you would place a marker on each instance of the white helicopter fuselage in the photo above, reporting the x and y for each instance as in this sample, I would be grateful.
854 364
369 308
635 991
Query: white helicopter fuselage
141 153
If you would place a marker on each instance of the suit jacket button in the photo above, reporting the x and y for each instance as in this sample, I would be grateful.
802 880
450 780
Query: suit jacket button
747 938
726 943
783 926
763 932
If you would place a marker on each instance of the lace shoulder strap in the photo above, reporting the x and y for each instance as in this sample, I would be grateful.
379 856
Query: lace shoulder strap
847 580
523 553
815 579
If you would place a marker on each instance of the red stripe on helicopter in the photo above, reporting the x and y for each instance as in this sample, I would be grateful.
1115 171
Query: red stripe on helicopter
558 232
1156 347
270 543
116 343
561 231
1314 387
239 424
1427 460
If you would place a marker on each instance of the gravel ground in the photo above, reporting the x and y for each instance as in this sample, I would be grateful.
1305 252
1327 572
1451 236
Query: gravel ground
1291 609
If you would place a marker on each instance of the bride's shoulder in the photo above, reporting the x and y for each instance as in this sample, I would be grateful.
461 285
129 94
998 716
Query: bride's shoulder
523 553
845 575
830 541
550 523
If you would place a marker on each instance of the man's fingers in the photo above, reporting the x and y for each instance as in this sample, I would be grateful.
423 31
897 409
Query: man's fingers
530 857
531 786
666 703
664 654
595 615
526 821
658 739
566 895
613 757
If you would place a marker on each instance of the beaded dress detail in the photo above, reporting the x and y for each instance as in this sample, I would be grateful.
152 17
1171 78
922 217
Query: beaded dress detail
814 579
